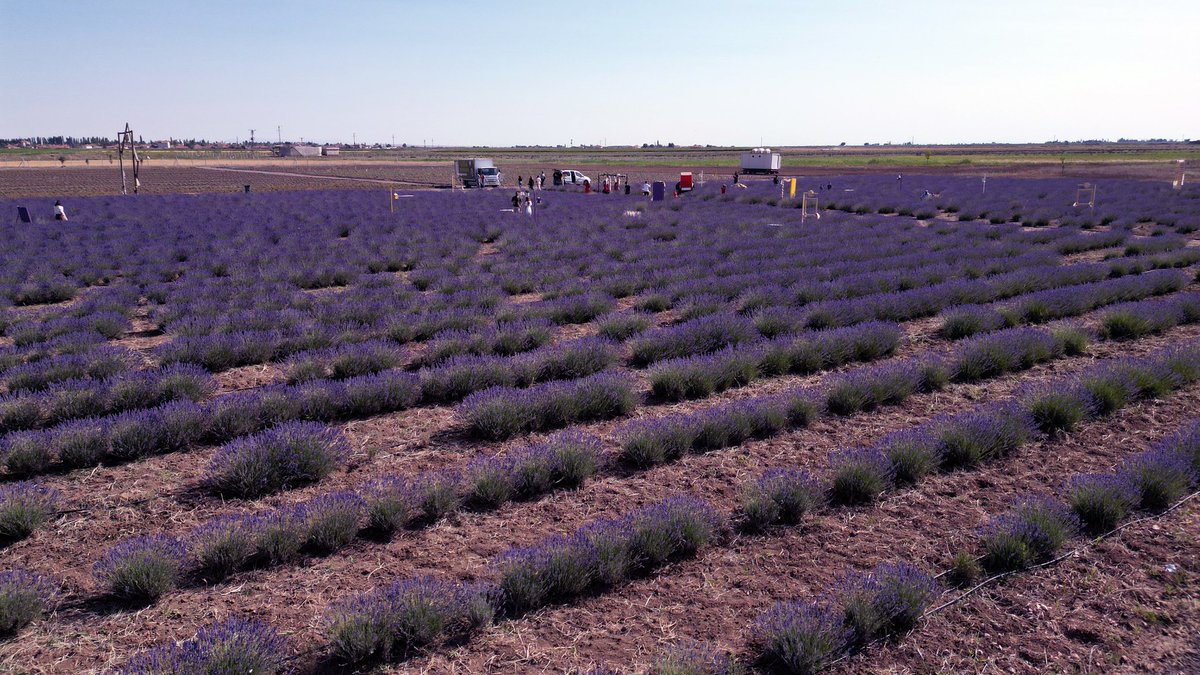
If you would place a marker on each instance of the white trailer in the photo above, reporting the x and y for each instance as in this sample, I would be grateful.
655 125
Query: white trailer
761 160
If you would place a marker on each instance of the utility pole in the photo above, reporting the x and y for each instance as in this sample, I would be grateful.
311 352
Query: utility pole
354 139
251 137
279 133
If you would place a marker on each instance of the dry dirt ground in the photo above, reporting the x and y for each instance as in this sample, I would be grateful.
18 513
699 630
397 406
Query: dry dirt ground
164 176
713 597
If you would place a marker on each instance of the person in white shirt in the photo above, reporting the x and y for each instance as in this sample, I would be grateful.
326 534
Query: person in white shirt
59 212
646 189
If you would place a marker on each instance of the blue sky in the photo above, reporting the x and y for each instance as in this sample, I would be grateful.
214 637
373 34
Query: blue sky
502 73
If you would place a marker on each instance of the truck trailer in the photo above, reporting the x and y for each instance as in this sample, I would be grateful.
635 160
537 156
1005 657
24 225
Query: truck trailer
477 172
761 160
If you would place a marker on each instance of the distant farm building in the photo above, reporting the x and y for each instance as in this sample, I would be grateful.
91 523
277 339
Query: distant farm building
291 150
331 152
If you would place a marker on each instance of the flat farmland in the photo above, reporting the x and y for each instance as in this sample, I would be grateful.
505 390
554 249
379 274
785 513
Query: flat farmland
914 424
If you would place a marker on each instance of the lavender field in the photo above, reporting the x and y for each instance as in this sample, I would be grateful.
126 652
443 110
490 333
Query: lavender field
297 432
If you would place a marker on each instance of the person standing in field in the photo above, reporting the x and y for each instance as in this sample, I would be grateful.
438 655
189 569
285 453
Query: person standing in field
542 180
59 212
529 205
646 189
531 183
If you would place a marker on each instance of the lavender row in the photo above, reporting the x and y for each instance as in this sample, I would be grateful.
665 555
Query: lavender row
604 553
924 302
1135 319
505 339
1037 526
1058 303
798 636
664 439
297 453
178 425
502 412
92 363
700 376
63 345
76 399
108 325
947 443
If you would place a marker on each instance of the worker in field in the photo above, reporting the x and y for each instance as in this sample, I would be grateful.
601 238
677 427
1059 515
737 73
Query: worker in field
59 212
646 188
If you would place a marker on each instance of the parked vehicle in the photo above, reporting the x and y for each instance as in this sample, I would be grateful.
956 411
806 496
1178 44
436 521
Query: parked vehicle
761 160
573 177
478 172
685 182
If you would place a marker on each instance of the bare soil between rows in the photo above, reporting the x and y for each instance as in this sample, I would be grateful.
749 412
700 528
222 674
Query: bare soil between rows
293 598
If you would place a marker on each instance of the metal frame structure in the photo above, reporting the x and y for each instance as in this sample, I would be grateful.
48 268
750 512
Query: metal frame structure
125 141
809 199
1085 195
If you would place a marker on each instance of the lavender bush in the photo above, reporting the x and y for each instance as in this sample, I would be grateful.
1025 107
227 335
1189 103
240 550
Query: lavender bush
779 496
231 646
1056 409
24 598
800 637
913 453
390 504
283 457
27 452
888 600
1161 475
989 433
1032 531
1101 501
860 475
331 520
278 535
222 546
392 621
24 506
142 568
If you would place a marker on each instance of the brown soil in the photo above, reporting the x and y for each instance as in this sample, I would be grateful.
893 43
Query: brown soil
167 176
1116 607
717 596
293 598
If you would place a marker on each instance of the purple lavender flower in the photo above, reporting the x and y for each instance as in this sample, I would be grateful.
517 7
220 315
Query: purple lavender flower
801 637
142 568
1101 500
24 597
288 455
24 506
232 646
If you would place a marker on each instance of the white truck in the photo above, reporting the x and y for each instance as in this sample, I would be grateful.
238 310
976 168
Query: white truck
478 172
761 160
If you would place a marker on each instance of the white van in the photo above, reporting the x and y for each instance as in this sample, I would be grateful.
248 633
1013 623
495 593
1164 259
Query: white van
573 177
